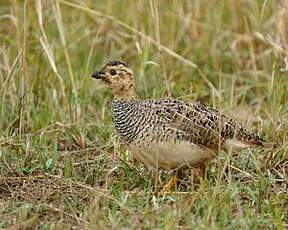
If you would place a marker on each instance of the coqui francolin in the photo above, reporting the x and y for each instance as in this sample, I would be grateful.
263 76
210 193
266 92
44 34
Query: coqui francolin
168 133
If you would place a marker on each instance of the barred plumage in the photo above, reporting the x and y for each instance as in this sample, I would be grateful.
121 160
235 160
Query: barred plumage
168 132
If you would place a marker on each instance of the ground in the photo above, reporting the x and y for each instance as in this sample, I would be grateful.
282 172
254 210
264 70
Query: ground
61 162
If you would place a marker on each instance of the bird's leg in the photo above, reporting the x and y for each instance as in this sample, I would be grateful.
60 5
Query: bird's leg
169 185
155 176
198 173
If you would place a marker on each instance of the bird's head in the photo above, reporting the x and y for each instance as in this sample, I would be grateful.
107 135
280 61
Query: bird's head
119 77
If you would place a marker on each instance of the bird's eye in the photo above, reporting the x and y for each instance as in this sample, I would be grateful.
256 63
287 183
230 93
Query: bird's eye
113 72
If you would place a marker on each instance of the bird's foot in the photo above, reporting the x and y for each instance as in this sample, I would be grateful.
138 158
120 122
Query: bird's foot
166 189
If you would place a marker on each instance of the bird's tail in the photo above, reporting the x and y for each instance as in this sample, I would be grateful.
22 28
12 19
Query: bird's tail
249 138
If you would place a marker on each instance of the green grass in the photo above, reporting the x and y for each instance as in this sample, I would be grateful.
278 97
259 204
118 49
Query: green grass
61 162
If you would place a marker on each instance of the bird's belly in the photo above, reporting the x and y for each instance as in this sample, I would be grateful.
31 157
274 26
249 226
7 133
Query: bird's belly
171 155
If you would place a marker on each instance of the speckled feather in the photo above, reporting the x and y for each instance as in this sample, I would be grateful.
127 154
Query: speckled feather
170 120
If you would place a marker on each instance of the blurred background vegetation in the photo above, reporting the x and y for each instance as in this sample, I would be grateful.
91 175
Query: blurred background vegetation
61 164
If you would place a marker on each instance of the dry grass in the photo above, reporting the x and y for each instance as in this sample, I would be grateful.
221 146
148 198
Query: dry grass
61 163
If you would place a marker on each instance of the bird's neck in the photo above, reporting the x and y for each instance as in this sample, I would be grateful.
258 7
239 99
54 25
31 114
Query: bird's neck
125 92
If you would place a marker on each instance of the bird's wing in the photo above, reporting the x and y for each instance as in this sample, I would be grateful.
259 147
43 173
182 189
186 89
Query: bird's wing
200 124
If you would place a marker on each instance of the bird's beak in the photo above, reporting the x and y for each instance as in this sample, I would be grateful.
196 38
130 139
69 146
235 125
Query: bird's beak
99 74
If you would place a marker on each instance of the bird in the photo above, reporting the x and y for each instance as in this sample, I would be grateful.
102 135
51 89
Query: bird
167 133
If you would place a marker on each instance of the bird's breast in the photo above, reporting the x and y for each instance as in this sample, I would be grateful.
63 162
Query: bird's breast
171 155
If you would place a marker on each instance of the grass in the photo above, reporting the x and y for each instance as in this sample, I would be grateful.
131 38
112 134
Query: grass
61 162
